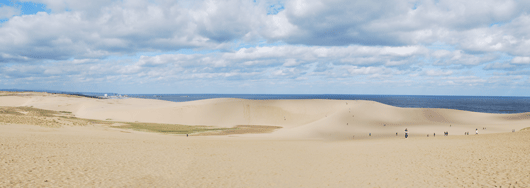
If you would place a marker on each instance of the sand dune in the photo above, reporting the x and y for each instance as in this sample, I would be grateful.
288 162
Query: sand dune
310 119
314 148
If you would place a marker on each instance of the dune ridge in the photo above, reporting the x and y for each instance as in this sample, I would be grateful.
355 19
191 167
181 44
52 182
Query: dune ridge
320 119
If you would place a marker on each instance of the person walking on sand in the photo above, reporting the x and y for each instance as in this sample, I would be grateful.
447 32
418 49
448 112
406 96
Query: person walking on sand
406 133
476 131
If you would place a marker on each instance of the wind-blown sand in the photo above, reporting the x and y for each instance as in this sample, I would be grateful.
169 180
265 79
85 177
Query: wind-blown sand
314 147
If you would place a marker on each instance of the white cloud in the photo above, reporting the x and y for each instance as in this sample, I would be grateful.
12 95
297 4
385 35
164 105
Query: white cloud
460 58
233 41
290 62
461 81
104 28
521 60
517 62
8 11
499 66
124 27
437 73
365 70
386 22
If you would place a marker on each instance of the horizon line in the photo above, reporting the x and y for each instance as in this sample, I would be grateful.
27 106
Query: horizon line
80 92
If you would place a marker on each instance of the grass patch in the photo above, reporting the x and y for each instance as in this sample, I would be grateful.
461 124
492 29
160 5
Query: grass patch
32 116
10 111
27 111
243 129
168 128
49 118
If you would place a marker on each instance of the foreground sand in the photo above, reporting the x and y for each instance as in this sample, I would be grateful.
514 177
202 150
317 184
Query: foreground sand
100 157
314 147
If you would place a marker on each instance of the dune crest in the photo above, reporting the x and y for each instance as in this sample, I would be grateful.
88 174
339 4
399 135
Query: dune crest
327 119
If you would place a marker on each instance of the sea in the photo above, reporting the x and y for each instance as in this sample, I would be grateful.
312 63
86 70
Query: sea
487 104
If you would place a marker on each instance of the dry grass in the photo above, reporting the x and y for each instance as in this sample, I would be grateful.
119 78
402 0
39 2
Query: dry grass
242 129
54 119
168 128
40 117
29 94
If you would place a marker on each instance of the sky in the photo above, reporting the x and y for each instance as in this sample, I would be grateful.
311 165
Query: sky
407 47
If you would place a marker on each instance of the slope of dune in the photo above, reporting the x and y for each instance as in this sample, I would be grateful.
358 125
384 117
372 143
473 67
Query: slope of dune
321 119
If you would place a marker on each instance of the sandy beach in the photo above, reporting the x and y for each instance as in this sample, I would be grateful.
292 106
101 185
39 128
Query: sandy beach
320 143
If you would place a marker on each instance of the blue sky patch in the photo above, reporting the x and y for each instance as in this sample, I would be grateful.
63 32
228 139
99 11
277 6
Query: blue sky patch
26 7
275 9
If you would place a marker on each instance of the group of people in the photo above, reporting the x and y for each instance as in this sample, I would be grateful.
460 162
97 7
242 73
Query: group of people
434 134
446 133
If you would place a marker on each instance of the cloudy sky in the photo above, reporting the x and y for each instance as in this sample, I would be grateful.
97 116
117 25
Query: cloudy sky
414 47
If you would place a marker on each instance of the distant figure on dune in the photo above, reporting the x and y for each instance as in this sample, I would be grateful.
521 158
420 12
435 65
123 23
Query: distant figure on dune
406 133
476 131
434 134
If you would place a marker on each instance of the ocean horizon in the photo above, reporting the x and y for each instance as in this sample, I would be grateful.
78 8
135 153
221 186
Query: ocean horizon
486 104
